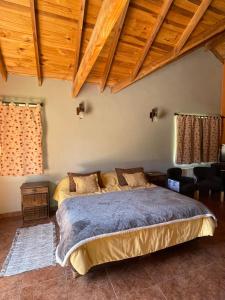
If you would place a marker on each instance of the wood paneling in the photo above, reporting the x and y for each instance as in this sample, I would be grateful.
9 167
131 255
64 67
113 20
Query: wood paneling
151 36
158 23
109 14
171 56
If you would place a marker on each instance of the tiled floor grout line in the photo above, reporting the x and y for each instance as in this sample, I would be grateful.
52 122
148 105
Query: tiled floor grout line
161 291
155 285
110 282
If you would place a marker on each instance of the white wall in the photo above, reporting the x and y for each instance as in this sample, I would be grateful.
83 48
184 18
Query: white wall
117 130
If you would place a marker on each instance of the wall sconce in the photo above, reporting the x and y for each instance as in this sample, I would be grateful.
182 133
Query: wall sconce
154 115
81 110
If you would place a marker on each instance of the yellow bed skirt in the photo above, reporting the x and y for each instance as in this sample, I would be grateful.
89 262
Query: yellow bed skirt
140 242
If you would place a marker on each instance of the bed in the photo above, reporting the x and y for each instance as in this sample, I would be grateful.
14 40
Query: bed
121 222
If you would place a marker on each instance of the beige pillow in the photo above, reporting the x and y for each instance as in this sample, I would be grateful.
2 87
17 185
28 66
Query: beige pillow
87 184
73 185
121 179
109 179
135 179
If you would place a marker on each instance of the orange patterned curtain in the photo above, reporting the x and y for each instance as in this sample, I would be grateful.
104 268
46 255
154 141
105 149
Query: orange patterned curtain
211 135
198 139
188 140
20 140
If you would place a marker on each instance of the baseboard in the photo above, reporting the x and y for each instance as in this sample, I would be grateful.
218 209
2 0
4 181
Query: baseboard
11 215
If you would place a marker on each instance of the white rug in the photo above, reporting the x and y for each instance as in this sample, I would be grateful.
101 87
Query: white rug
32 248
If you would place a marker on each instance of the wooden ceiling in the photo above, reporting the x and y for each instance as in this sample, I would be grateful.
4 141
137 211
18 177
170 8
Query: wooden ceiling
217 46
109 43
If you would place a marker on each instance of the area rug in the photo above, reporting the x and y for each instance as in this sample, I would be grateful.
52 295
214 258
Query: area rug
32 248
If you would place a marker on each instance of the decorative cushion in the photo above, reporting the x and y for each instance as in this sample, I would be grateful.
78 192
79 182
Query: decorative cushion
136 179
109 179
87 184
120 172
73 184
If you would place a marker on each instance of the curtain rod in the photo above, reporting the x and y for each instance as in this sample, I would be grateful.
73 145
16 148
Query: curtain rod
199 115
21 100
22 103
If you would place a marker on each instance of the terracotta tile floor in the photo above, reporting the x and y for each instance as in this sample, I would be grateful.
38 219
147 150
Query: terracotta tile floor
194 270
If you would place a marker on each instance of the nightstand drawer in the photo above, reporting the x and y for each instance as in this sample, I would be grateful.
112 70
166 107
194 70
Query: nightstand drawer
35 200
35 213
37 190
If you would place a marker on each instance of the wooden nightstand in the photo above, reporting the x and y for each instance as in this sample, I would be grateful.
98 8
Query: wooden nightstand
35 200
157 178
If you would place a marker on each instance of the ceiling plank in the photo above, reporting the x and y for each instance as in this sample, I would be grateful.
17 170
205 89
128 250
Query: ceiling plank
156 28
192 25
197 41
35 40
113 47
109 14
3 70
79 37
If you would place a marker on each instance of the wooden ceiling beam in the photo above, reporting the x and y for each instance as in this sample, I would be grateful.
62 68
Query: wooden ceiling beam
156 28
113 46
215 41
3 70
192 25
35 40
79 37
197 42
109 14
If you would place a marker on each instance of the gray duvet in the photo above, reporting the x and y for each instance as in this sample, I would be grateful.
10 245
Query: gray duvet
83 218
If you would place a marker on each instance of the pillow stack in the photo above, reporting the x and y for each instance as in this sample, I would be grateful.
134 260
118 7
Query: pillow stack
92 182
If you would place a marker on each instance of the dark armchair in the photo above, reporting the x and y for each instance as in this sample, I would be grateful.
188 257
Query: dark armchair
208 180
187 184
218 169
